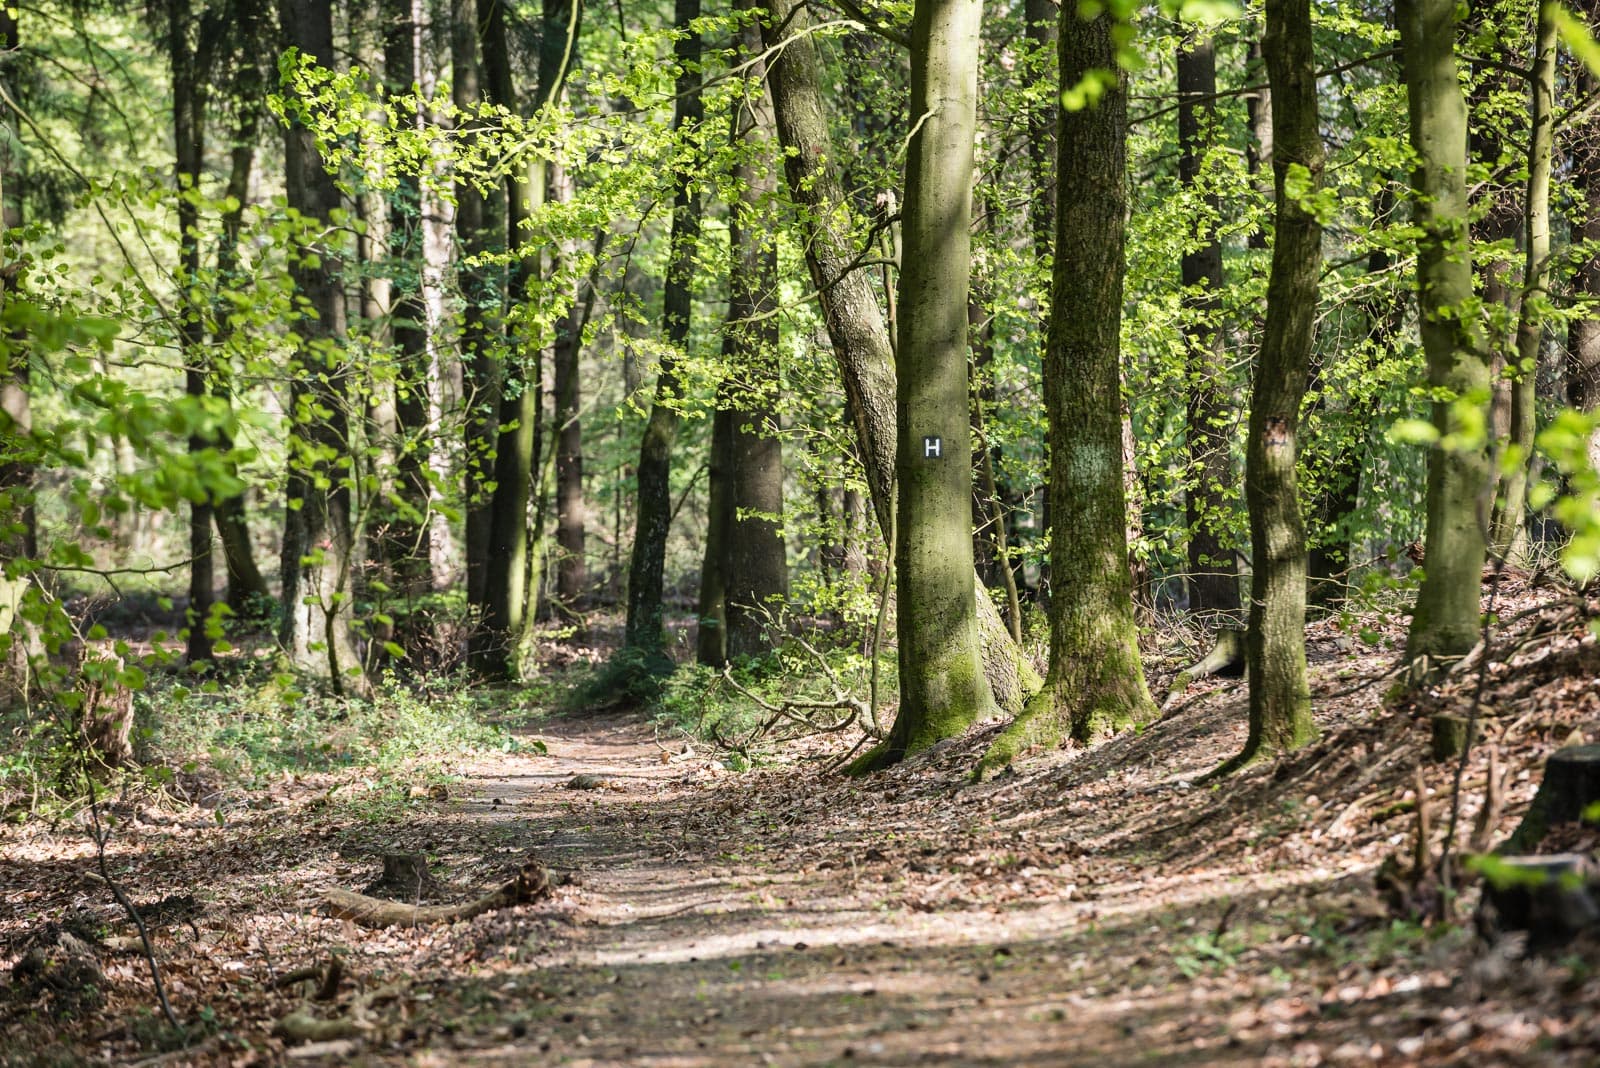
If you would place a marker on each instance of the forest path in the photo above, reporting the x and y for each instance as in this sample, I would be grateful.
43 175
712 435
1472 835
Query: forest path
788 918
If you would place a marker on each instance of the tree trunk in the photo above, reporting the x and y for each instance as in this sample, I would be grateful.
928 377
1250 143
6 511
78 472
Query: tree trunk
1510 534
407 548
1095 684
1445 622
1213 577
1583 335
483 382
855 323
247 588
188 135
318 540
758 559
644 629
711 635
1275 651
572 573
942 688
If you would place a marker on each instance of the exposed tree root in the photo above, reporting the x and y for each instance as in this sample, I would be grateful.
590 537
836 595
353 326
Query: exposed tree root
1227 655
530 884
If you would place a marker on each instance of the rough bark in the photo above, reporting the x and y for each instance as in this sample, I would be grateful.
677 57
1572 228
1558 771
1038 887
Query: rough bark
942 686
318 540
711 635
1445 622
1095 684
572 573
644 631
1275 654
856 326
1510 534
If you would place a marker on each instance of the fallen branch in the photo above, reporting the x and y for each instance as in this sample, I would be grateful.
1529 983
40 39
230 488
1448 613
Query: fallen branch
530 884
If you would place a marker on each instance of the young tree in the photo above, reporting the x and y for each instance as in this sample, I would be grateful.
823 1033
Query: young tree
1583 335
1445 623
318 539
1095 683
942 687
1275 652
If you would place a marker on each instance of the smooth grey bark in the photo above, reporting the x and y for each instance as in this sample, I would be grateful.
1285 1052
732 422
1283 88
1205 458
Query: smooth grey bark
1510 533
644 632
318 540
1213 578
1095 684
1275 654
1445 622
942 686
857 328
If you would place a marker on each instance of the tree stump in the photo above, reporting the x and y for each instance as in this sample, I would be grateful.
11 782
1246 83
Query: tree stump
406 878
106 719
1451 735
1571 785
1552 898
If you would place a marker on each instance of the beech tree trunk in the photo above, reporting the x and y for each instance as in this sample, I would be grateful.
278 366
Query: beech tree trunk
857 329
942 687
1445 622
318 540
1275 652
1510 534
1213 577
1095 684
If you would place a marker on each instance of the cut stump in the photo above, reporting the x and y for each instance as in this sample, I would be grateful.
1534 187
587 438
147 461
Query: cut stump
1571 785
1552 898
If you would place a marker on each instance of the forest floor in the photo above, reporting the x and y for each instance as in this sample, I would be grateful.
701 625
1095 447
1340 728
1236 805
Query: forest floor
1098 906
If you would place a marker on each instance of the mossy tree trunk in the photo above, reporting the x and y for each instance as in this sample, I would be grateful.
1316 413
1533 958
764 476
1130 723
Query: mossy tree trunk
1445 622
1510 534
1275 648
1213 578
319 538
942 687
644 633
1095 684
855 322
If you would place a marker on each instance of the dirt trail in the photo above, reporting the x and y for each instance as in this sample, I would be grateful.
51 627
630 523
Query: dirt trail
787 919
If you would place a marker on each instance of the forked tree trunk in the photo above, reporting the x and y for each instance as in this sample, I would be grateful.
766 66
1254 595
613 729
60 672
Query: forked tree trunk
319 540
1445 622
1095 684
942 687
1275 652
